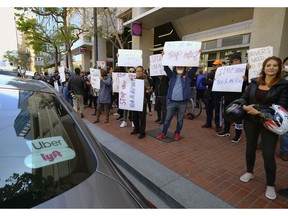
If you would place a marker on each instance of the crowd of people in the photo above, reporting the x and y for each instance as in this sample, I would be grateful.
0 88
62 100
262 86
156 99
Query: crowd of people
171 94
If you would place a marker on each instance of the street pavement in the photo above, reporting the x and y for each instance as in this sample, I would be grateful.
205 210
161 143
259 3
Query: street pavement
201 170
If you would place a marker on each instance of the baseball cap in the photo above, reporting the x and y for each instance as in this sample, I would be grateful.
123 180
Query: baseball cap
217 62
235 56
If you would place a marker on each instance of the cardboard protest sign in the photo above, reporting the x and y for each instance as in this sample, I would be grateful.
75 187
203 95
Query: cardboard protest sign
131 94
181 53
156 67
229 78
117 76
256 58
95 78
127 58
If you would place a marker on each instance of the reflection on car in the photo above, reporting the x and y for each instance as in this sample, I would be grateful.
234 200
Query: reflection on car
48 156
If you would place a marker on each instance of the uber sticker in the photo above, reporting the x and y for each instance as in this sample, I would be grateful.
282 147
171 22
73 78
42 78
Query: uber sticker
44 144
49 157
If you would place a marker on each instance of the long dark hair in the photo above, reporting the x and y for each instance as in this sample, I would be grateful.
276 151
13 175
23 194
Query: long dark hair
261 79
103 72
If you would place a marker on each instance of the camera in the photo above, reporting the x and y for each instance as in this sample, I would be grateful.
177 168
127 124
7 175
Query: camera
72 95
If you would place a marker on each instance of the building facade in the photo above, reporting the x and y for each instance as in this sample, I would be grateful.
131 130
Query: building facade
222 31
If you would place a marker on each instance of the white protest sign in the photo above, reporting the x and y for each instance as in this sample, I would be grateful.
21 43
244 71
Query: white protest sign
117 76
181 53
131 94
156 67
29 73
62 74
56 86
256 58
229 78
95 78
127 57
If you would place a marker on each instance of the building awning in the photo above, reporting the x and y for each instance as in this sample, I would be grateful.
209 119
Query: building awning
76 49
161 15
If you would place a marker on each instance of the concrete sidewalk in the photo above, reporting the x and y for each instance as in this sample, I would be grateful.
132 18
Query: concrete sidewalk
173 189
200 170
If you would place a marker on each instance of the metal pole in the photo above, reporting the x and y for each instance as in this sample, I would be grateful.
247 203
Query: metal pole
95 37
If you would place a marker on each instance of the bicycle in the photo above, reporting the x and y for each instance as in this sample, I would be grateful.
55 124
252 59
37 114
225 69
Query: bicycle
194 106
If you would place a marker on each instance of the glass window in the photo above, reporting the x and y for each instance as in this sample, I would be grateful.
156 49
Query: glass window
42 153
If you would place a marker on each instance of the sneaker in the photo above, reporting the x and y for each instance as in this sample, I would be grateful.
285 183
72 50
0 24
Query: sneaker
132 125
223 134
160 122
270 192
82 116
176 136
161 136
157 120
236 139
246 177
123 124
134 132
116 114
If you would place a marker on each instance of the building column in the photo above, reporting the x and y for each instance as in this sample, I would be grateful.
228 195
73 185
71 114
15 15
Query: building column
144 42
270 28
102 55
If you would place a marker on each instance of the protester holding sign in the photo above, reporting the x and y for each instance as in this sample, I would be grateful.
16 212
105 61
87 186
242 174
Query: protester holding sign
104 98
269 88
139 117
182 54
127 114
179 93
212 99
231 96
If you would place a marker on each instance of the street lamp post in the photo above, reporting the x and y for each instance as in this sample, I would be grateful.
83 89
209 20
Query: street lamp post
95 37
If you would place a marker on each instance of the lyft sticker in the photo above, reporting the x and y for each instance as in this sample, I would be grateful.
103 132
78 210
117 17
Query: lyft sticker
48 151
49 157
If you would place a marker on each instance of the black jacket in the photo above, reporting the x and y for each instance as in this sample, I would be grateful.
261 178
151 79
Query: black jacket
278 94
77 85
161 86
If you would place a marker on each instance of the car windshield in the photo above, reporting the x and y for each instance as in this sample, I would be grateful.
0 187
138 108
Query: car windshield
42 152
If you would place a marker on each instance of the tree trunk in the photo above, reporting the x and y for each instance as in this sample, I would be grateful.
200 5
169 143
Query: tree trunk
70 60
56 59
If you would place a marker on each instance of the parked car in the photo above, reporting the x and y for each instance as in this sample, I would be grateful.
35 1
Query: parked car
10 73
48 156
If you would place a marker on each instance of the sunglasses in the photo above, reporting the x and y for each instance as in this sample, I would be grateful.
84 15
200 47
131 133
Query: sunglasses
131 71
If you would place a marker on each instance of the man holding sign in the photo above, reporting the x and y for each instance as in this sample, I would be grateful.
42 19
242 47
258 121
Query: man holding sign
179 92
139 117
235 59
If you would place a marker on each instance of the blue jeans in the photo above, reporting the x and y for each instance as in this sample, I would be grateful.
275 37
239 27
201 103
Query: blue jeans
172 108
65 95
284 143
